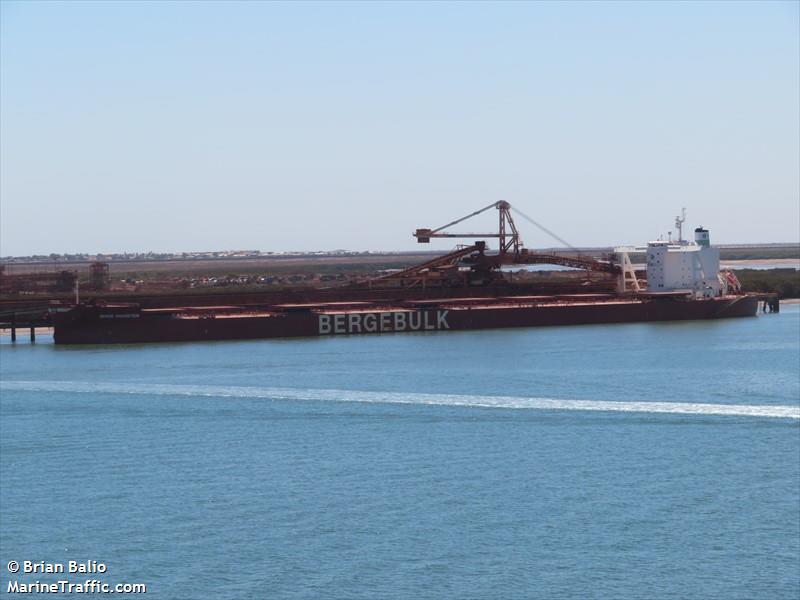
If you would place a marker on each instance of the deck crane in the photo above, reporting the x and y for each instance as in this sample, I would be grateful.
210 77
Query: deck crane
484 267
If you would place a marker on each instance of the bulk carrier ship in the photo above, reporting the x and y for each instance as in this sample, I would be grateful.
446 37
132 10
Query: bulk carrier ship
463 290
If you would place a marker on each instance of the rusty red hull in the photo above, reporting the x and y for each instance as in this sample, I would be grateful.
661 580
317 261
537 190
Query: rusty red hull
124 324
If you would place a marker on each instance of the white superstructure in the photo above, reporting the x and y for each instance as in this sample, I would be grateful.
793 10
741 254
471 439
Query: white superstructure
686 266
691 268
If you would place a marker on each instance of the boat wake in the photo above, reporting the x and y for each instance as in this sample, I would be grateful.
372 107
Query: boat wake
466 400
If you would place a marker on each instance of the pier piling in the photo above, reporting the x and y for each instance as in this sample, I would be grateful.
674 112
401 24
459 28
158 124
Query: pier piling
772 304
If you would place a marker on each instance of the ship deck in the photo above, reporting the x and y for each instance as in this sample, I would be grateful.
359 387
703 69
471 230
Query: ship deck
399 305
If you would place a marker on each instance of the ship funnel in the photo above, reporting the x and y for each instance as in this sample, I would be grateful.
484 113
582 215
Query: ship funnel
701 237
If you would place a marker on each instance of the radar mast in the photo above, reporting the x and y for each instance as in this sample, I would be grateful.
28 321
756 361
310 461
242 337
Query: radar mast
679 220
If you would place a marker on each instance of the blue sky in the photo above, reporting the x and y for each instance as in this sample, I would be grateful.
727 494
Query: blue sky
303 126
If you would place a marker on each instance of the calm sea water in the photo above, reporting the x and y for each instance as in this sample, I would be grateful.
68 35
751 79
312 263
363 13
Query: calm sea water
625 461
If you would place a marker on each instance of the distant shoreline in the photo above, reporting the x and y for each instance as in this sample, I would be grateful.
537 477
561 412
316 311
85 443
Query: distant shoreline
780 262
25 332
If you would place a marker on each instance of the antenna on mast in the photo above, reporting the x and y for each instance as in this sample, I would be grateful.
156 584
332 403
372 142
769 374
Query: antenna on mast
679 220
